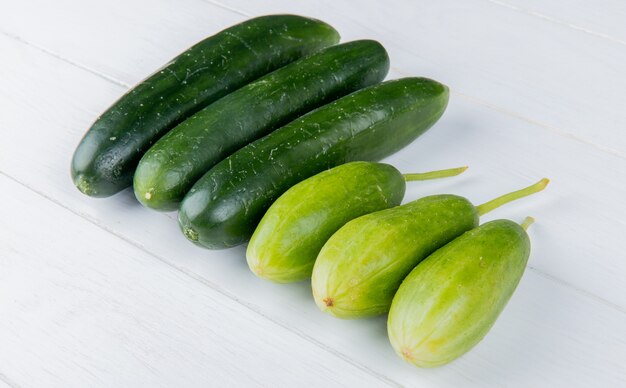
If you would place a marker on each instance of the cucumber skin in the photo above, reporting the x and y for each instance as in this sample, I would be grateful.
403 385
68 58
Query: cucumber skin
362 265
472 278
105 160
223 208
290 235
169 168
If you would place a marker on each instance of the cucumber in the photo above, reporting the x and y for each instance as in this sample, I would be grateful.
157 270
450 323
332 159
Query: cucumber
105 160
448 303
223 208
291 234
360 268
170 167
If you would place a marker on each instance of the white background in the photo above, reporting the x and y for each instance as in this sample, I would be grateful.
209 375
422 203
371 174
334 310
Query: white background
107 293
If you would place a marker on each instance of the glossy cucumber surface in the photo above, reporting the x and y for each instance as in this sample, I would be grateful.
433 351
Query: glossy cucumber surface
361 266
169 168
105 160
290 235
223 208
448 303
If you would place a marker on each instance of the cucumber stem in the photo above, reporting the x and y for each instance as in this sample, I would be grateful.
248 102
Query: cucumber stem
422 176
528 221
506 198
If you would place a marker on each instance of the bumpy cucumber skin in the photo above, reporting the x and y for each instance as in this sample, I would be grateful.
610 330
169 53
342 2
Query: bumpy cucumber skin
361 266
449 302
105 160
170 167
223 208
290 235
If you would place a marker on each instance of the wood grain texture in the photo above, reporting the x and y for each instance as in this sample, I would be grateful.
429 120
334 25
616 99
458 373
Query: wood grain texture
564 326
83 308
6 383
523 65
514 61
105 37
603 18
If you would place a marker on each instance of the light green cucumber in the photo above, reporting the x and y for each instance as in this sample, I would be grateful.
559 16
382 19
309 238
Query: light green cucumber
290 235
361 266
448 303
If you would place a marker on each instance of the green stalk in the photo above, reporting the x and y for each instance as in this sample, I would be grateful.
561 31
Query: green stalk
506 198
528 221
422 176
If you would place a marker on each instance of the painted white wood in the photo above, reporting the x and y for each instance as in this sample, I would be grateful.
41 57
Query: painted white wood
568 80
82 308
6 383
107 36
564 326
604 18
565 79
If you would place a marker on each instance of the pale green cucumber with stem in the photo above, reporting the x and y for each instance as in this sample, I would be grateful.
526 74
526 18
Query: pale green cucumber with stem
290 235
105 160
448 303
361 266
171 166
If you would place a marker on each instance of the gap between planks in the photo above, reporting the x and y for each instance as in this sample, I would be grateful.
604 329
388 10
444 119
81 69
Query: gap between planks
4 380
481 102
472 100
556 21
227 7
499 3
66 60
251 307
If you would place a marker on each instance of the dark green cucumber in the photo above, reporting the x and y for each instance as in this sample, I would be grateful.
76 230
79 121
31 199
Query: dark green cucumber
105 160
170 167
291 234
448 303
225 205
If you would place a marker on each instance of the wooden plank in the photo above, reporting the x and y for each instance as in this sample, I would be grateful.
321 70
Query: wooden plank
6 383
49 104
83 308
121 40
603 18
568 80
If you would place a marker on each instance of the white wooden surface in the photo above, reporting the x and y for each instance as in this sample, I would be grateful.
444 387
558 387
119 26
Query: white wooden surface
106 293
